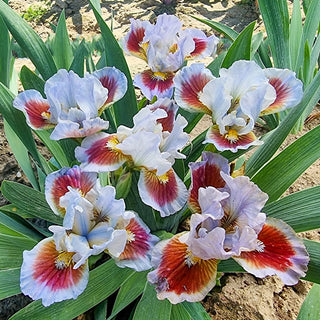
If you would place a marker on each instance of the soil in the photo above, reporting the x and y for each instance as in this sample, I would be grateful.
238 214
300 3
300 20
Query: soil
240 296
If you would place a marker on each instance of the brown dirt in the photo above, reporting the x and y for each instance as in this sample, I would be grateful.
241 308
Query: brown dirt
241 296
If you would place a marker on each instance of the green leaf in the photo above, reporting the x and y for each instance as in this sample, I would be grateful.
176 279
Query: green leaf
291 208
16 121
56 148
29 41
265 54
229 266
221 28
21 154
30 200
307 71
11 249
150 305
9 282
5 54
310 309
275 177
133 202
192 117
295 32
77 64
194 149
178 312
275 139
126 108
256 42
215 65
241 47
100 311
313 249
30 80
103 281
315 52
131 289
196 310
306 5
275 16
20 227
310 28
10 208
62 51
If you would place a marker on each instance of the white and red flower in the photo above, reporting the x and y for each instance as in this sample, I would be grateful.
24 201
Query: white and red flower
151 147
72 105
228 224
236 99
165 47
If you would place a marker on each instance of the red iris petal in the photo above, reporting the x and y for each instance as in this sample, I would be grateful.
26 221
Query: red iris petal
180 276
200 46
204 174
221 142
140 245
74 178
100 153
190 90
45 270
36 111
282 92
134 42
276 253
163 189
156 83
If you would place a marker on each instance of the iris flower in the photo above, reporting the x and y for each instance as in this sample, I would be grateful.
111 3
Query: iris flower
236 99
165 47
94 221
227 222
73 105
150 147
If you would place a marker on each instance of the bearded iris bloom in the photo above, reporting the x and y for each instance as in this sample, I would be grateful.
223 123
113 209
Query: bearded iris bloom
72 105
151 147
165 47
94 221
227 222
236 99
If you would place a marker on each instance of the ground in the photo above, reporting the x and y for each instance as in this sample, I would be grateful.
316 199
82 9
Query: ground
240 296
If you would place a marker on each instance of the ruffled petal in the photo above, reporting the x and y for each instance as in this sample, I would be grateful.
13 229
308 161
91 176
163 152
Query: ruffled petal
179 275
165 193
139 244
281 253
116 83
231 140
189 83
206 241
175 140
79 213
143 149
58 184
49 274
243 206
206 173
133 42
107 208
36 109
99 153
159 84
170 107
289 89
72 129
204 46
